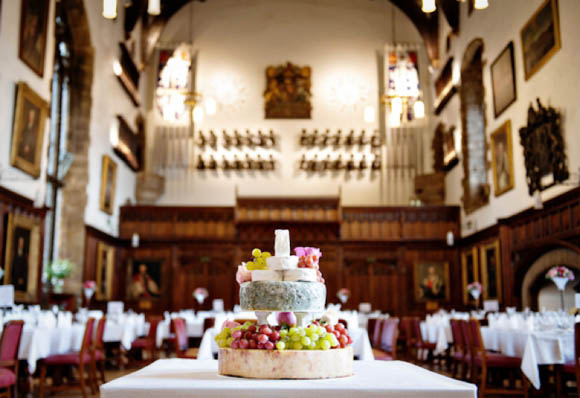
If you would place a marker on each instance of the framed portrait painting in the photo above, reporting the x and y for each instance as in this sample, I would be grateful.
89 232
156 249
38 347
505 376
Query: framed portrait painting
145 281
540 37
105 271
502 159
503 80
287 94
22 257
491 271
108 184
431 281
469 270
30 115
33 33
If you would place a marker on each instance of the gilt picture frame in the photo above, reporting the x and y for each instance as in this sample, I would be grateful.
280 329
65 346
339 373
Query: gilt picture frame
431 281
33 34
491 271
108 184
503 80
540 37
22 257
502 159
469 270
105 272
30 114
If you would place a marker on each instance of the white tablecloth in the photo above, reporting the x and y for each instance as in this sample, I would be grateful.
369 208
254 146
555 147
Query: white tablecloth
535 348
196 378
438 333
361 345
194 329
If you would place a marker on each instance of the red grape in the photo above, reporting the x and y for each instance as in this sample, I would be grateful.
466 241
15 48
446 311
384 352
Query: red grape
339 326
260 346
252 328
248 335
237 334
244 344
342 345
262 338
336 333
267 331
275 336
252 344
349 339
269 345
343 340
329 328
344 332
235 344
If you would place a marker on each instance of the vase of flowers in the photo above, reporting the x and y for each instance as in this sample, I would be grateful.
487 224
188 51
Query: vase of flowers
89 288
200 294
474 289
343 295
560 275
56 272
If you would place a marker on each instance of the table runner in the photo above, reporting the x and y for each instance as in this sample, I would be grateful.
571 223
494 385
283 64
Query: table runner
198 378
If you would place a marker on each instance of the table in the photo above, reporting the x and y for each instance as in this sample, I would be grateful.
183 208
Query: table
194 329
438 333
199 378
361 344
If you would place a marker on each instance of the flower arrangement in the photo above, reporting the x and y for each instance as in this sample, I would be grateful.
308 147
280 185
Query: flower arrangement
200 294
59 269
343 295
90 285
560 272
243 274
474 287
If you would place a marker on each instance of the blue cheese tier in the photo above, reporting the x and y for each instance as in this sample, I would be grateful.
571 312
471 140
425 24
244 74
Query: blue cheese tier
282 296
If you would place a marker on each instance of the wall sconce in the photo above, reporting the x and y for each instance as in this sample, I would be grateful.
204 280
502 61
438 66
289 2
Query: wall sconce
197 113
450 238
419 109
154 7
480 4
110 9
135 240
369 114
117 68
429 6
114 133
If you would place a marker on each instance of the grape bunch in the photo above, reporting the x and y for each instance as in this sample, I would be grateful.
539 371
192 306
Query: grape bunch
264 337
259 262
312 263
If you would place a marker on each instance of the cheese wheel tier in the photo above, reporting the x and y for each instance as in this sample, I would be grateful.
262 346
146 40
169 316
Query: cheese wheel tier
282 296
286 364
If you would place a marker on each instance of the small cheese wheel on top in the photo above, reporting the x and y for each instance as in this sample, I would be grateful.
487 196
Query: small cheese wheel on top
300 275
277 263
266 275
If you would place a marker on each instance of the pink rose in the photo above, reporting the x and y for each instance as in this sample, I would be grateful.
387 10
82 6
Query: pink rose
300 251
243 275
229 324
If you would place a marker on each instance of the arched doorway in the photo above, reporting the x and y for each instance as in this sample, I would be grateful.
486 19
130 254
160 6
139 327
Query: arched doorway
475 186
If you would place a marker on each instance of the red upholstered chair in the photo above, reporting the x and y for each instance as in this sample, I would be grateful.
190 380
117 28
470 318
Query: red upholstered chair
485 361
422 344
149 342
375 333
76 359
461 356
408 328
371 322
99 354
181 340
571 368
389 337
9 345
208 323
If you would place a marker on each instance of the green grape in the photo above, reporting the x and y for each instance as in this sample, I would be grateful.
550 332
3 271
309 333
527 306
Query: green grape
333 340
321 330
309 331
296 337
256 253
302 332
229 341
325 345
297 346
313 345
280 345
260 263
250 266
283 333
266 255
306 341
292 331
315 337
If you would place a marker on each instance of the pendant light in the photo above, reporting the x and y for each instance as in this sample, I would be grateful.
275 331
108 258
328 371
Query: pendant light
154 7
480 4
110 9
419 109
429 6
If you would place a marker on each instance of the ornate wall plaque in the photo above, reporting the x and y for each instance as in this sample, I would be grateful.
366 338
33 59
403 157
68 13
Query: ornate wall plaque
287 94
543 144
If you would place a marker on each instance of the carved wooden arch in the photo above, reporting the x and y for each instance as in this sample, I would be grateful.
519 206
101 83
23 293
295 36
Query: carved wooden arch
74 192
474 145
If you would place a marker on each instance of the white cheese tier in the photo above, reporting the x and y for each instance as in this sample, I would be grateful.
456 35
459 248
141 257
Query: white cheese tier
282 296
282 263
287 364
291 275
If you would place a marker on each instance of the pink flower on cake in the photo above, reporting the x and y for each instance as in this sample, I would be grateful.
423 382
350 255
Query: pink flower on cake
229 324
243 275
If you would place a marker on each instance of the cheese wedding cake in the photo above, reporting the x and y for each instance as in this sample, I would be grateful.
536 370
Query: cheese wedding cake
296 347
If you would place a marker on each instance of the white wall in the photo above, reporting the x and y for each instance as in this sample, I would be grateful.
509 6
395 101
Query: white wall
12 71
556 83
238 39
109 100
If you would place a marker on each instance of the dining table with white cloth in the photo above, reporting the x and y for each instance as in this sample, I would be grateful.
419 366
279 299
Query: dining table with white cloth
198 378
361 344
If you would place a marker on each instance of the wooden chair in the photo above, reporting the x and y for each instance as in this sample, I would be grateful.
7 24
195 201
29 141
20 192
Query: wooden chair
421 344
209 323
571 368
9 345
484 362
458 347
181 341
147 343
375 332
389 337
78 359
407 326
99 353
